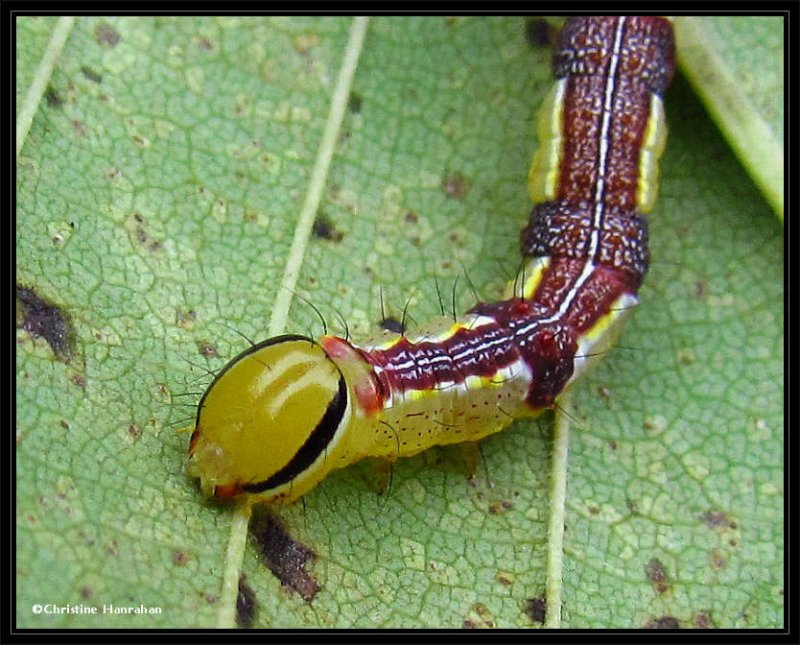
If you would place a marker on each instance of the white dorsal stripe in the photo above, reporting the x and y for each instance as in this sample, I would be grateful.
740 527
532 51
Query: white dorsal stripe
600 185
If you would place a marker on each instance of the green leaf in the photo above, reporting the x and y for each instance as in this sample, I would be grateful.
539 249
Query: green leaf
157 202
735 65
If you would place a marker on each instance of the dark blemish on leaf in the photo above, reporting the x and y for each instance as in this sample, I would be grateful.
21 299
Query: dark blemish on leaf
137 225
207 350
657 574
211 598
112 548
391 323
663 622
499 507
539 32
717 559
703 621
700 290
78 379
456 238
246 605
88 72
205 44
718 520
180 558
284 556
604 392
134 431
105 34
505 579
139 140
480 618
78 127
535 609
53 98
411 217
43 319
455 186
64 424
355 102
304 43
324 228
185 318
613 444
633 507
86 592
593 510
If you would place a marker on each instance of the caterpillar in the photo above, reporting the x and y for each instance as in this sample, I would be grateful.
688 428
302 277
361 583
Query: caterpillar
284 413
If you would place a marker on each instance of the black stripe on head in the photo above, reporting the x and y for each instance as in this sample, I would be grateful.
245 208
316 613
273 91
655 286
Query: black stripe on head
316 443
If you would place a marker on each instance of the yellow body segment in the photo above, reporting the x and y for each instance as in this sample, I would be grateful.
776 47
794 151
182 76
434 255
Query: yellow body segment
544 171
655 140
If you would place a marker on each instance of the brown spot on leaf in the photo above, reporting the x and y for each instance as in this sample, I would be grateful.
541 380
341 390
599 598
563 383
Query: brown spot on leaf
663 622
324 228
53 98
718 520
42 318
703 621
92 75
535 609
185 318
505 579
283 555
717 559
700 290
136 225
78 127
205 44
539 32
78 379
355 102
246 605
480 618
391 323
304 43
207 350
180 557
657 574
455 186
112 548
134 431
86 592
499 507
411 217
105 34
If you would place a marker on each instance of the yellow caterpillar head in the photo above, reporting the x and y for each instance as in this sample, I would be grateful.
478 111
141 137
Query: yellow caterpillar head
267 421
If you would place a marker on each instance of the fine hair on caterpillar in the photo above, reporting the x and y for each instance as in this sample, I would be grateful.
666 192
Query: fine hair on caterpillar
288 410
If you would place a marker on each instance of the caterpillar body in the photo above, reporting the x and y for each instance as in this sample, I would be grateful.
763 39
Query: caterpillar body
284 413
